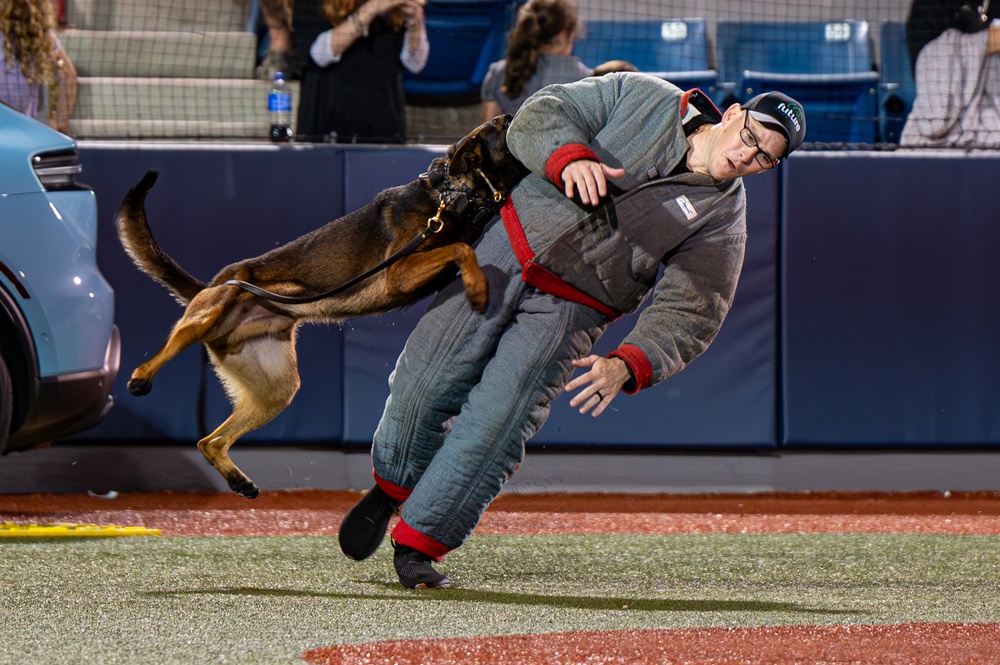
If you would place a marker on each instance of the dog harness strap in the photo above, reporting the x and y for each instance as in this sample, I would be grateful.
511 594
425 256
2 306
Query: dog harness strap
539 276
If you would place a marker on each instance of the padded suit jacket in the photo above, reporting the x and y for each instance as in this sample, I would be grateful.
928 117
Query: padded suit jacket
688 223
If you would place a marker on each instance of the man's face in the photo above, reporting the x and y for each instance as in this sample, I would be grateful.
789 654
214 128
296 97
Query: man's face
736 152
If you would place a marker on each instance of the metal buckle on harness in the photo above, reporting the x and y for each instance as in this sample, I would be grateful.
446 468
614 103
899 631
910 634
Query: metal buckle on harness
436 219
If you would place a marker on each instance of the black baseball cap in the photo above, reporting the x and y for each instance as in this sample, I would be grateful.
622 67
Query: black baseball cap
779 111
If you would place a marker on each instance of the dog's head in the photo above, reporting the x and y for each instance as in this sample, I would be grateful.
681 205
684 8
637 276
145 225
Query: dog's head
481 164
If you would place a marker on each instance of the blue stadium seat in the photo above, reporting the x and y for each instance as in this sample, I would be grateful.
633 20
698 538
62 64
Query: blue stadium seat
896 86
827 66
465 37
674 49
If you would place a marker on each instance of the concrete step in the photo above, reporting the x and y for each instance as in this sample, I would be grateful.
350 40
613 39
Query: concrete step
161 54
192 15
127 107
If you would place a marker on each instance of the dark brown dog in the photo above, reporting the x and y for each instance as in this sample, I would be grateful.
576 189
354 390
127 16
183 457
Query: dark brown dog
251 339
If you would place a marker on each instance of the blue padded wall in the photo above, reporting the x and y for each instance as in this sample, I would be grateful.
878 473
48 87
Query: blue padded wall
891 307
881 266
211 207
371 345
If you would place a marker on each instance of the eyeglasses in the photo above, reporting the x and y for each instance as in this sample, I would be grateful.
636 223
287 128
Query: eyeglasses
751 141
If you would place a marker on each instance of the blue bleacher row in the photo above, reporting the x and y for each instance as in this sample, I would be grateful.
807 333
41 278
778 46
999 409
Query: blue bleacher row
827 65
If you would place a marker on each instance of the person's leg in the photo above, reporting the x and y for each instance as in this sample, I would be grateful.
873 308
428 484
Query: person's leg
443 358
442 361
532 363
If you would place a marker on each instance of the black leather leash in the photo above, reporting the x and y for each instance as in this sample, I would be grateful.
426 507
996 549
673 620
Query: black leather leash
434 225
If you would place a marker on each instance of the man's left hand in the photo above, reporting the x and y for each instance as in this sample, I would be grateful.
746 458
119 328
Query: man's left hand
600 384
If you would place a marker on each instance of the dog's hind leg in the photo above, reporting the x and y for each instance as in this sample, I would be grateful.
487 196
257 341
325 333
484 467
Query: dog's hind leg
198 324
261 380
421 268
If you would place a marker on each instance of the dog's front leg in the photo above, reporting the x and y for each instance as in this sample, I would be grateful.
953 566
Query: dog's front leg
421 268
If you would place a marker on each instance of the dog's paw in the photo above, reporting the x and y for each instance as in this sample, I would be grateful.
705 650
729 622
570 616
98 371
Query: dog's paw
140 387
479 301
243 486
477 290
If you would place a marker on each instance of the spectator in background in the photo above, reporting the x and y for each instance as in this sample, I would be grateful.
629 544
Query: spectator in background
36 76
538 54
352 78
958 84
928 19
277 16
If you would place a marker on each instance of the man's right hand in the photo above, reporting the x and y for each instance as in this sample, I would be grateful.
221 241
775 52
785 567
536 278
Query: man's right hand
589 178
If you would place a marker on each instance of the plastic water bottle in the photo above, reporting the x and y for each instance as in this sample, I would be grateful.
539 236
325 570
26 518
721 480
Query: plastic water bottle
279 109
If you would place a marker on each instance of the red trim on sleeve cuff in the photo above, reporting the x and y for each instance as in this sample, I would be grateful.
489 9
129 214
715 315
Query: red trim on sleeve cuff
392 489
563 156
638 363
404 534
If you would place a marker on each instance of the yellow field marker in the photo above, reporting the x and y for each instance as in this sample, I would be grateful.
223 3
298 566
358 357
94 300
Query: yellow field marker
69 530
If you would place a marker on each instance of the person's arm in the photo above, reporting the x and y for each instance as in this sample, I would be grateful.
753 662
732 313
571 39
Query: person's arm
943 67
66 89
330 45
993 41
278 17
556 125
689 304
490 110
416 47
553 130
490 89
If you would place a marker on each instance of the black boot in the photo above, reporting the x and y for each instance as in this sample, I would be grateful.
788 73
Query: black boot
364 526
415 570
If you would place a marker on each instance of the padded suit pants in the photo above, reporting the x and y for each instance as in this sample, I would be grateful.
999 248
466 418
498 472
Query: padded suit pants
468 391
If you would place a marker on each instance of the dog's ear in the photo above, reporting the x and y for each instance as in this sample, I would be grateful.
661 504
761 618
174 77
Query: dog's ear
466 154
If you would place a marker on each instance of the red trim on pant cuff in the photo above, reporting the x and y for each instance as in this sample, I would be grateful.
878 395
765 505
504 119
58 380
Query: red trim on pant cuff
404 534
392 489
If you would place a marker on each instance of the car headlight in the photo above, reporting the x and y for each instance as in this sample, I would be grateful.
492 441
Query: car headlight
57 170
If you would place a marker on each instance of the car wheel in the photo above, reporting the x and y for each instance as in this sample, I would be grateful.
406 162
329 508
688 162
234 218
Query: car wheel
6 403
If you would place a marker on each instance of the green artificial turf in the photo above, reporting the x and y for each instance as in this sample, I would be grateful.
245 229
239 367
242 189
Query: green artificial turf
269 599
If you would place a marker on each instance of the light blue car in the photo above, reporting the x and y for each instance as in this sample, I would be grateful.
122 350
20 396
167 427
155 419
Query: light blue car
59 346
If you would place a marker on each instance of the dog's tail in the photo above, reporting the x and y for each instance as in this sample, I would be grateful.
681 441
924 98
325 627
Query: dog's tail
138 241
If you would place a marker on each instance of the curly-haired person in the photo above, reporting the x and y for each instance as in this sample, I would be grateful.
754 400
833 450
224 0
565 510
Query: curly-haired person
539 53
33 63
